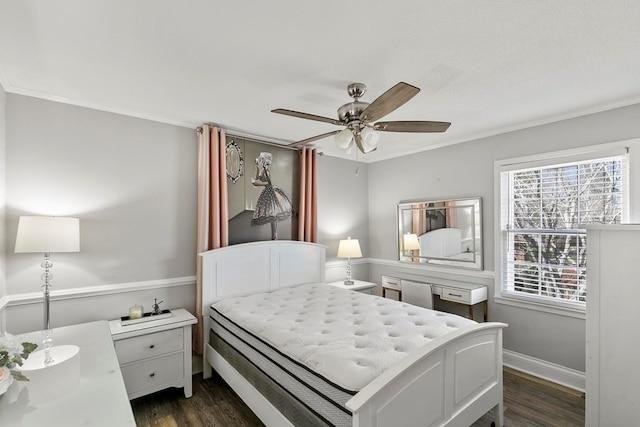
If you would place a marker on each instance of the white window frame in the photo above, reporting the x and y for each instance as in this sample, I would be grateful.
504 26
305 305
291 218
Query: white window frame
630 147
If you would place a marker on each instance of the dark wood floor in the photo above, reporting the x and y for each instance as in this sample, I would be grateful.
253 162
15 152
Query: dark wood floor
533 402
529 402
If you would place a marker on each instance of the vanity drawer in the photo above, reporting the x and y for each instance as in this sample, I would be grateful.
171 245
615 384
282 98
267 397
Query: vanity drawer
151 345
391 283
457 295
153 373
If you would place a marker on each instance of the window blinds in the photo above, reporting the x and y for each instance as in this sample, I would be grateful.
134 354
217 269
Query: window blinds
543 207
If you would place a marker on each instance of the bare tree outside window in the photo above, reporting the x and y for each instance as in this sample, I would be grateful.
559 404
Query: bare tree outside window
546 249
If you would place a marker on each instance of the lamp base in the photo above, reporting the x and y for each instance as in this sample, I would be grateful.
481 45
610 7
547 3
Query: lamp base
63 372
349 282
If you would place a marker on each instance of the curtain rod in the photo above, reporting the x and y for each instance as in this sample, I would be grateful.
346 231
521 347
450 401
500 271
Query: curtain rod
254 138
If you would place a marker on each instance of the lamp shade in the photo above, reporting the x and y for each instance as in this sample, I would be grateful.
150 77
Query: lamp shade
410 242
349 248
46 234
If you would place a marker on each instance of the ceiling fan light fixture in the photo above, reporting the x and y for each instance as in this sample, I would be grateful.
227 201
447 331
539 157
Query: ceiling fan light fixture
349 149
361 118
344 138
370 139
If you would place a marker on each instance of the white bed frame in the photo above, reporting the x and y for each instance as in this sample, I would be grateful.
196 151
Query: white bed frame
452 381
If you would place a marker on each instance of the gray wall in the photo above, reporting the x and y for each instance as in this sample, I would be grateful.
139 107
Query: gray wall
343 203
132 183
465 170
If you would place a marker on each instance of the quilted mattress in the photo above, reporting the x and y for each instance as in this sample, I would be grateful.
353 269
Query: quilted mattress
322 344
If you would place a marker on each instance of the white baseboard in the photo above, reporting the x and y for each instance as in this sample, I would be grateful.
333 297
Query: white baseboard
546 370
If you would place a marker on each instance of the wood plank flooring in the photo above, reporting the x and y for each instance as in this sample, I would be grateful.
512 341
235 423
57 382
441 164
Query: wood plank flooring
533 402
529 402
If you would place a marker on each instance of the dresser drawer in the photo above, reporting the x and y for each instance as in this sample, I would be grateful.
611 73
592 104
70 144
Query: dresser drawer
153 373
151 345
457 295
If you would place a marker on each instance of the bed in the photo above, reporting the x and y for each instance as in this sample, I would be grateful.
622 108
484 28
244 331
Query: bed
441 243
450 377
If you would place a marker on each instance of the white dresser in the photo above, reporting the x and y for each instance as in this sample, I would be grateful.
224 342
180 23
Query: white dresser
613 341
156 354
99 400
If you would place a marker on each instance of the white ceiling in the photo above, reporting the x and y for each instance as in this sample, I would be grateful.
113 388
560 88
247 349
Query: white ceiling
486 66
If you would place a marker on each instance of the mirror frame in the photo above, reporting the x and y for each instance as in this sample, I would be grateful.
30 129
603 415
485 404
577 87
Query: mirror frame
443 253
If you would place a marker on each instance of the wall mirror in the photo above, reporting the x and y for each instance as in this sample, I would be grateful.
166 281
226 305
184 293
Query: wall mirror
441 232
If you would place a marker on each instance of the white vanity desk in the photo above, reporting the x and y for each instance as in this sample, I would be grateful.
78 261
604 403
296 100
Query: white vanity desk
100 399
467 294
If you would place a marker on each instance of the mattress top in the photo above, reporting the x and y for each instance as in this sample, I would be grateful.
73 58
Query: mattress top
348 337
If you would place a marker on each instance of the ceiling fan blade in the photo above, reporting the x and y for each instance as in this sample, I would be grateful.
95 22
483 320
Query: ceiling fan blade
412 126
313 138
358 140
307 116
388 101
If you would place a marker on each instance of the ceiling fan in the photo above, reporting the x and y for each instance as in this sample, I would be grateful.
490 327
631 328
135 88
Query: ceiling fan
358 118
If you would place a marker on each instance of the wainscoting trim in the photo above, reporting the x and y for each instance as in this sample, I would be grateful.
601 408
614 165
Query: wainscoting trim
425 270
546 370
342 262
93 291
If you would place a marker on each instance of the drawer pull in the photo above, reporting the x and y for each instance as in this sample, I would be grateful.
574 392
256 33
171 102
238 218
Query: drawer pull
455 295
153 374
152 346
393 283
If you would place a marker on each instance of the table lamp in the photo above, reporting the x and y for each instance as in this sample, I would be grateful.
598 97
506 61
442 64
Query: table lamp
410 242
348 249
47 234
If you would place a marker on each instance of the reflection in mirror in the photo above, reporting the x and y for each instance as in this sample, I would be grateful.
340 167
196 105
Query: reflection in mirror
443 232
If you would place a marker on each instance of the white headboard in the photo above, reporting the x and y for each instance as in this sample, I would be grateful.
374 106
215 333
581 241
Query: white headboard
259 267
442 242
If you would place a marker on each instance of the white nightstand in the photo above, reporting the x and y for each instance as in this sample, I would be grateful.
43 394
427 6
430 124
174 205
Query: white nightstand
358 285
156 354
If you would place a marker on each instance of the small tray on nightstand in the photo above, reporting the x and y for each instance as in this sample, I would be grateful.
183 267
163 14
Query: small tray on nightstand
146 317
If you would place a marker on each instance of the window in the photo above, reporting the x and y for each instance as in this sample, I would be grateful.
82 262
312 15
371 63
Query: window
543 205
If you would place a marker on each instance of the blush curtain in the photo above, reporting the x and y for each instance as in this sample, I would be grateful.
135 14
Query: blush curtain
418 219
213 209
451 215
307 216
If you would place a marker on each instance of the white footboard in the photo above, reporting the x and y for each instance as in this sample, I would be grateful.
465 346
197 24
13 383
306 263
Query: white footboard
452 381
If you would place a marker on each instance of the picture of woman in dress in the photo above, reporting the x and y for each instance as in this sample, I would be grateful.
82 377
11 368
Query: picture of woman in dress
273 204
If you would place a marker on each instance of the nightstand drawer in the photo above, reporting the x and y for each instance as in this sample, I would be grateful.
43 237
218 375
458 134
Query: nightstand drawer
457 295
153 373
145 346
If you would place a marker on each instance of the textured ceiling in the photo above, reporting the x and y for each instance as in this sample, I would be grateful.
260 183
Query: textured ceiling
486 66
